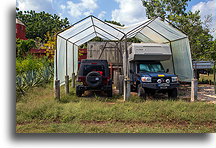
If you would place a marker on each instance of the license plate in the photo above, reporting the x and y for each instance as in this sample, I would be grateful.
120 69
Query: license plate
164 85
96 78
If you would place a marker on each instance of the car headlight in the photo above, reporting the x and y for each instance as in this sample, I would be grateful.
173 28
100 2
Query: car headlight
174 79
146 79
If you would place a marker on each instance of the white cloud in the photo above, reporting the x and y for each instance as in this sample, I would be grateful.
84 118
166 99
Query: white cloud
101 14
206 8
84 7
129 12
37 5
62 7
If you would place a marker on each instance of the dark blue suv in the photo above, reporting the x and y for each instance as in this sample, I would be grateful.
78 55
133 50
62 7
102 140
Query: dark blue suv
150 77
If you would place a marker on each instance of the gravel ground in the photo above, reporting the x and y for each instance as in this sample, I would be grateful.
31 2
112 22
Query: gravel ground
205 92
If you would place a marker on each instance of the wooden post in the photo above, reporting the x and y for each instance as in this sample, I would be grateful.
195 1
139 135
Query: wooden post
127 75
57 90
214 76
121 84
67 84
73 80
128 88
117 73
194 90
125 89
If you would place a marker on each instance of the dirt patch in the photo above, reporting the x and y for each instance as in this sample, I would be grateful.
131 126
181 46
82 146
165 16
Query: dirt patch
167 124
205 92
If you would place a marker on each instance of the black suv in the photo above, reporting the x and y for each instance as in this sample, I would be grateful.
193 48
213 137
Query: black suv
94 75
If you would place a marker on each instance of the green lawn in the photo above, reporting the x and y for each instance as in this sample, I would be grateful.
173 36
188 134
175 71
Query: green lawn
38 112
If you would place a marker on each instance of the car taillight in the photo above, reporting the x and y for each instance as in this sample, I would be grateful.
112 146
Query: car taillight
100 72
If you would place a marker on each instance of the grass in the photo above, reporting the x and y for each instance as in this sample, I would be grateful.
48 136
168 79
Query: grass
38 112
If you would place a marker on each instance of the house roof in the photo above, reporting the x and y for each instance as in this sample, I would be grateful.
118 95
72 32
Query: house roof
19 22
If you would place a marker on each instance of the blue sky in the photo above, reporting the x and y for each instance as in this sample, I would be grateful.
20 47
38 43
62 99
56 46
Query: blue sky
124 11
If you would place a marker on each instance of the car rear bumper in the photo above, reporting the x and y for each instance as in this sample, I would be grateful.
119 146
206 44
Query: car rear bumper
100 88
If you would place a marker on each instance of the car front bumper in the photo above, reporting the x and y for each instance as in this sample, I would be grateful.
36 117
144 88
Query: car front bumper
159 86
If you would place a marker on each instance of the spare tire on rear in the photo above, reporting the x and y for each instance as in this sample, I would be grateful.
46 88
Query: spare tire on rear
93 79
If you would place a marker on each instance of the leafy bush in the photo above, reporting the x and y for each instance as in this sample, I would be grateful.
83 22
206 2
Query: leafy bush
23 46
32 72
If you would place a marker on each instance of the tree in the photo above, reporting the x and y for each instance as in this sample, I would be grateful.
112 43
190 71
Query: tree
133 39
23 46
115 23
190 23
165 8
38 24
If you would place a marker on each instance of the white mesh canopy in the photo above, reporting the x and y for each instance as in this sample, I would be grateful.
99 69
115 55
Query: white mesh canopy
149 31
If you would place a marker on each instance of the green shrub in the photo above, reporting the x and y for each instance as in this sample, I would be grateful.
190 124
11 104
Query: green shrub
32 71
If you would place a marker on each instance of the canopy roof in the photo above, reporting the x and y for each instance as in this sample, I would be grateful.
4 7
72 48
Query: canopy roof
148 31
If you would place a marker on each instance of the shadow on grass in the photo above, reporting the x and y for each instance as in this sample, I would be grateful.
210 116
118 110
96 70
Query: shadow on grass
88 96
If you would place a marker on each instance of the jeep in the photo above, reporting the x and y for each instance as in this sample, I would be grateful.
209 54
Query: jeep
94 75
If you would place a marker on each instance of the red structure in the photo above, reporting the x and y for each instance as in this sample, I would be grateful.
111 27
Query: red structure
20 30
82 54
38 52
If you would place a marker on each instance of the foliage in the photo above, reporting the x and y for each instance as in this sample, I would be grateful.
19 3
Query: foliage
32 71
38 24
50 44
23 46
190 23
165 8
115 23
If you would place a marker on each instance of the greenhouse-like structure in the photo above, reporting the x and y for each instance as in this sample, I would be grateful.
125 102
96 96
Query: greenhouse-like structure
148 31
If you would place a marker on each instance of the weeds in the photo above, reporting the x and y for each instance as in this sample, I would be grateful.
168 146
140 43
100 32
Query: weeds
101 114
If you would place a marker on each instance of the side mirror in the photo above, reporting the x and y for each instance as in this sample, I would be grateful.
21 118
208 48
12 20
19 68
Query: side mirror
167 70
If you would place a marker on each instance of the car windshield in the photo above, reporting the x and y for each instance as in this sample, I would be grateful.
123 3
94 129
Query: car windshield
157 67
89 68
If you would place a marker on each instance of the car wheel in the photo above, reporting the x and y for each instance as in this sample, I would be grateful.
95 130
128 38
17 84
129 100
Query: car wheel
109 92
141 92
78 92
93 79
173 93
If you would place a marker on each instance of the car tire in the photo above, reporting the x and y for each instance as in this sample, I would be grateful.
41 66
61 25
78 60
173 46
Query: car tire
141 92
173 93
109 92
78 92
90 79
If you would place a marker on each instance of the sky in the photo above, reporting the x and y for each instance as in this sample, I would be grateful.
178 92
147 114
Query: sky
124 11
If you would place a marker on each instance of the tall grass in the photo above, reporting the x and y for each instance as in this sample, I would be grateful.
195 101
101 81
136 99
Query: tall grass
38 106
